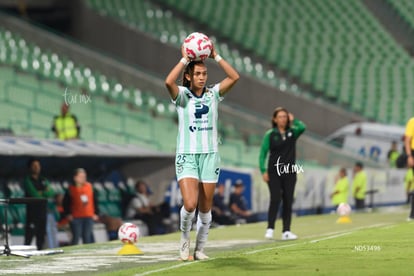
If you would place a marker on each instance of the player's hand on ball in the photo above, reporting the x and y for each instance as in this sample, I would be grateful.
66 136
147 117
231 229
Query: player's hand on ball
213 53
184 54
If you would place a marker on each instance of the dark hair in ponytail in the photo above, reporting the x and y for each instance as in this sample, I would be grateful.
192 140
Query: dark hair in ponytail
276 111
189 69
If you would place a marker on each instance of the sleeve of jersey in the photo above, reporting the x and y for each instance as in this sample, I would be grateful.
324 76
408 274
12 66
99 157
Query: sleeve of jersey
409 129
264 149
216 90
180 96
298 127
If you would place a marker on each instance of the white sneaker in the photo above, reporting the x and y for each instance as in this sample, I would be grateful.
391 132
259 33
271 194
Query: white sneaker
199 255
410 219
184 249
269 234
287 236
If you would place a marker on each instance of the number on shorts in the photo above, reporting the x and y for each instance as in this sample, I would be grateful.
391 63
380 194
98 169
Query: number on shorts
180 159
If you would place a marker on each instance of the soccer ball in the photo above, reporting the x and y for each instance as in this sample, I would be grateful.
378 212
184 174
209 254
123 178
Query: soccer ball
128 233
197 46
343 209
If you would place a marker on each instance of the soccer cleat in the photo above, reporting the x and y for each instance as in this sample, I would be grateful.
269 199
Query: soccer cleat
199 255
269 234
410 219
184 249
288 236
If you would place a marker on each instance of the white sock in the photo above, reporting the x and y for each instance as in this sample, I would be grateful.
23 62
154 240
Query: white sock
203 225
186 222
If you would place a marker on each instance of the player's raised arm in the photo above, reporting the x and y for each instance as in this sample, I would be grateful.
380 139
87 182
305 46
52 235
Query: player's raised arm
232 75
170 81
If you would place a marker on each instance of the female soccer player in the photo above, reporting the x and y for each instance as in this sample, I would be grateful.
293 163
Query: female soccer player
197 160
281 170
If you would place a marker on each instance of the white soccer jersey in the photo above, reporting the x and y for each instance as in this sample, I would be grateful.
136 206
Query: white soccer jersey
197 120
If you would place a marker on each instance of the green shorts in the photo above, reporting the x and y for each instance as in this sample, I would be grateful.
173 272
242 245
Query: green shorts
203 166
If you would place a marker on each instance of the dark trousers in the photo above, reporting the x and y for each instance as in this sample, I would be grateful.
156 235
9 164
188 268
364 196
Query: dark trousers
36 216
359 204
411 195
282 189
82 227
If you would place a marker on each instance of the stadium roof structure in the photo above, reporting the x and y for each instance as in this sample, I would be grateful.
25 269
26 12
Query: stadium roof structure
60 158
43 148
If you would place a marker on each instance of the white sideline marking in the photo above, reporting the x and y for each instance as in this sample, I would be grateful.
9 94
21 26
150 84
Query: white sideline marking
170 267
270 248
336 235
389 227
346 231
332 237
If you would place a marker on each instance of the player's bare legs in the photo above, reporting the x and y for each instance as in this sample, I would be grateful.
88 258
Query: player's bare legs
205 201
189 192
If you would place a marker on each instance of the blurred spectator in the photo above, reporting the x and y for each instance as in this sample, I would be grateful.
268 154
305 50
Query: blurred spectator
63 221
66 126
409 188
409 142
80 208
220 211
409 183
141 208
359 186
40 218
409 150
238 204
393 155
340 193
401 161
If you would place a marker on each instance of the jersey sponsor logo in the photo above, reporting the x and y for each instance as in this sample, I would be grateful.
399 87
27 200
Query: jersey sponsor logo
205 128
201 109
194 128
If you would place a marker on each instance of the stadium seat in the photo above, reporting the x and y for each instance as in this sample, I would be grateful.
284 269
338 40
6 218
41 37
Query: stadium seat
156 21
325 44
114 200
405 8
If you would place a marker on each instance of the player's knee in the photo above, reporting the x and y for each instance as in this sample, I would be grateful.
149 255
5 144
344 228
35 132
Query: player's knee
190 205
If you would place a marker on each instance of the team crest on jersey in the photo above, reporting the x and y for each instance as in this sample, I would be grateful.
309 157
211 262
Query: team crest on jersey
208 93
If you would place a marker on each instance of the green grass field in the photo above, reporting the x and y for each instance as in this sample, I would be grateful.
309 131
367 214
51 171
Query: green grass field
373 244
